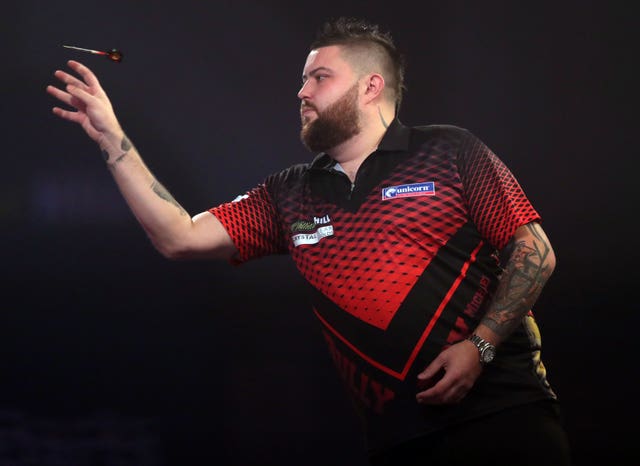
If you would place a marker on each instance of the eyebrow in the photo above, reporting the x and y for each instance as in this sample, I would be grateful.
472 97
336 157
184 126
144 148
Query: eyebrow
315 71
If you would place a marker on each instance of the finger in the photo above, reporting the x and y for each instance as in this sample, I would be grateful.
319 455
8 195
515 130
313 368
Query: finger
443 387
59 94
433 369
67 98
455 395
66 78
79 97
430 397
433 394
86 73
427 380
438 396
67 115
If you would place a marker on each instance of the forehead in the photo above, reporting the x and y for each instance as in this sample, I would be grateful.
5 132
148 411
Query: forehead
329 57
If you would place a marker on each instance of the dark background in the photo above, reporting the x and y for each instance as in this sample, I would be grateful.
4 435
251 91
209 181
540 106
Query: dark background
110 354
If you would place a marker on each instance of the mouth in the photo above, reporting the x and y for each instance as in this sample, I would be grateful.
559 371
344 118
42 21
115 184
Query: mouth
306 114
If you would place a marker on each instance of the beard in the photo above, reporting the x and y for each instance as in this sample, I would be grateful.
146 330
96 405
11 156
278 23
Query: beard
336 124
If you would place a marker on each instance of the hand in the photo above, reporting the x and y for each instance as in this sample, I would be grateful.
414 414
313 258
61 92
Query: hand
93 110
458 366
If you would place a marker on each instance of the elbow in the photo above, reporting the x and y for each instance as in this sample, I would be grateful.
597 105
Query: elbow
170 250
170 254
184 251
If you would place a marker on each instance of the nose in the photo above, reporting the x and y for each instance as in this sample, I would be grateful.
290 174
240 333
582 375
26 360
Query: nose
305 90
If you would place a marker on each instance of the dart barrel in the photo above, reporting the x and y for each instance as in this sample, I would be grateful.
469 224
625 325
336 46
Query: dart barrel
115 55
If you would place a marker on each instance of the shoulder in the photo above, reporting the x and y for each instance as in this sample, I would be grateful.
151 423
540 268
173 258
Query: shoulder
446 137
440 129
288 176
447 131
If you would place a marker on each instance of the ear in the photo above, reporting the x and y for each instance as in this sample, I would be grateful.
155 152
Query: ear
374 86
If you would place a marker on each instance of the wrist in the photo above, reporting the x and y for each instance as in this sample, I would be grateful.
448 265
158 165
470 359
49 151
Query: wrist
486 350
113 146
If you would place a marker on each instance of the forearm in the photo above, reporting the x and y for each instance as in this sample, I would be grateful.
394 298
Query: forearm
164 220
527 270
171 229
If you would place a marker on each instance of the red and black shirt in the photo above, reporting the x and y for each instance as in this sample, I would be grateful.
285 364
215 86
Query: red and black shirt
400 264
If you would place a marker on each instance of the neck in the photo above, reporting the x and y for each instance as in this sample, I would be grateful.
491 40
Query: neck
350 154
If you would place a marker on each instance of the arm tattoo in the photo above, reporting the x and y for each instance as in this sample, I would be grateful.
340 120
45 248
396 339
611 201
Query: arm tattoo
157 188
125 145
521 283
162 192
118 159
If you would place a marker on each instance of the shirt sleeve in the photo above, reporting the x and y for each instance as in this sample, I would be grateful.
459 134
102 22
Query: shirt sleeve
497 202
252 222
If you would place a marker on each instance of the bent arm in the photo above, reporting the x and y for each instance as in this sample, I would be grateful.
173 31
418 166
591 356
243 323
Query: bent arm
171 229
529 265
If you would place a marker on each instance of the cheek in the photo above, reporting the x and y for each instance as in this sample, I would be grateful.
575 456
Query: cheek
319 103
325 97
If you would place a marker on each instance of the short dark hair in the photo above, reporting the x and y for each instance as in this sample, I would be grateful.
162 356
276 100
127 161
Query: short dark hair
359 35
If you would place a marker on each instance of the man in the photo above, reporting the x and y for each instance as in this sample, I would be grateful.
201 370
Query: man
423 255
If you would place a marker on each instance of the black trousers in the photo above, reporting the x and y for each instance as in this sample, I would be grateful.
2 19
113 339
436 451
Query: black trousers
527 435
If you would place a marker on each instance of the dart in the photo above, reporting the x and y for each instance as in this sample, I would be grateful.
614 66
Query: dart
113 54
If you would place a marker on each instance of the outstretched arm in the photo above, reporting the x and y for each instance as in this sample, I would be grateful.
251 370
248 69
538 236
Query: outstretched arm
530 263
171 229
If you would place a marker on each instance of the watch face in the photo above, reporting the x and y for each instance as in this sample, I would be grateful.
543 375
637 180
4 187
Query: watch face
488 354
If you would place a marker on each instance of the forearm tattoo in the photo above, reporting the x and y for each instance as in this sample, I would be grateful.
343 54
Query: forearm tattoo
162 192
125 145
521 283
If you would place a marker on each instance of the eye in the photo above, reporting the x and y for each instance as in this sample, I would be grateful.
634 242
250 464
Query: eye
321 77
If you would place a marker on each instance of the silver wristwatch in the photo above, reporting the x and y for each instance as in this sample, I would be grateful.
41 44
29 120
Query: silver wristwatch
486 349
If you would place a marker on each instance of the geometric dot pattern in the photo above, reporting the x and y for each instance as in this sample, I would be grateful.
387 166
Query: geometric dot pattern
496 200
391 268
250 222
378 251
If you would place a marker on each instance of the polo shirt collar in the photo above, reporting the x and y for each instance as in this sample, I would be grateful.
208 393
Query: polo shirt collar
396 138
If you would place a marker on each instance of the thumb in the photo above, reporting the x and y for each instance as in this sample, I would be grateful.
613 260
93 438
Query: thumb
432 369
